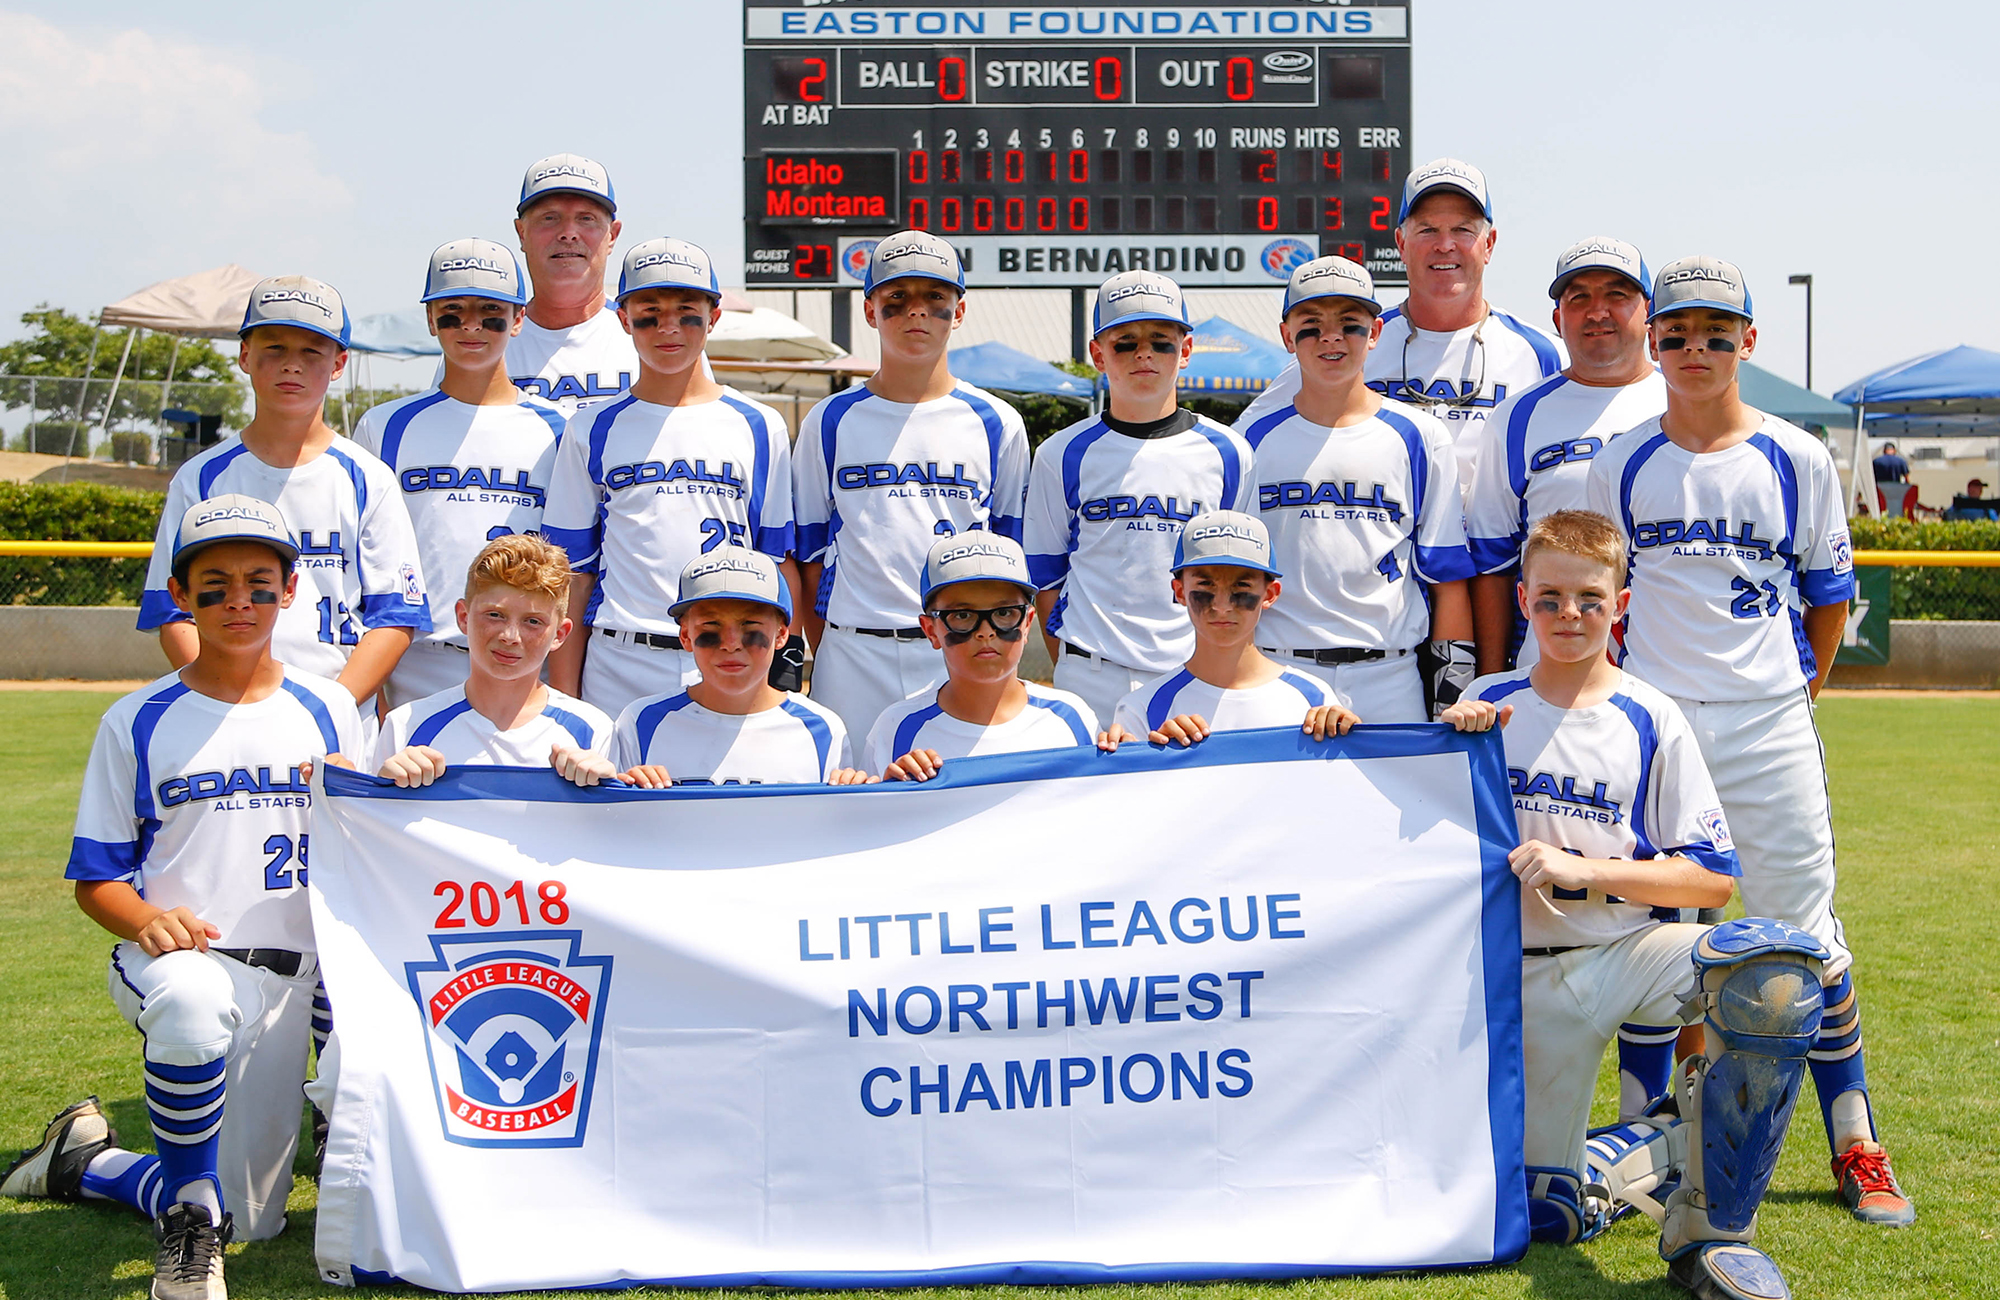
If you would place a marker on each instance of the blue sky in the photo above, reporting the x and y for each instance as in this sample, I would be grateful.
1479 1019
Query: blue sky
1841 139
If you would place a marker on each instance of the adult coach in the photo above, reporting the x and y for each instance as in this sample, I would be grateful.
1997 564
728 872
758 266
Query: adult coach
1531 457
1445 349
572 350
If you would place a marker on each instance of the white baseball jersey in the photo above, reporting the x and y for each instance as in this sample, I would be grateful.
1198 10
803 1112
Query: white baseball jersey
795 743
1052 719
201 804
469 474
569 367
1104 511
1620 779
1280 702
358 565
1360 518
1728 548
1533 456
640 489
448 723
875 482
1476 369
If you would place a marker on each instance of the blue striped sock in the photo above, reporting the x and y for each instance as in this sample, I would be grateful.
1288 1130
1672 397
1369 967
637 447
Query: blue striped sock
128 1177
184 1103
1645 1065
322 1019
1836 1059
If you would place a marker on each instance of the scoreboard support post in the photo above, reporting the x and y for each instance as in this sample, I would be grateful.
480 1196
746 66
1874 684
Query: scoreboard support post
1079 329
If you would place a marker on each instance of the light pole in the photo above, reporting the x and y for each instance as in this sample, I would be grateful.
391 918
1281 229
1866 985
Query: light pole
1806 280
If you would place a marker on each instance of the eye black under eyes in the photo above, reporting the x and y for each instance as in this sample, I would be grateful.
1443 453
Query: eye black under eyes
1675 342
451 320
1313 332
753 638
686 322
1243 600
210 597
1161 346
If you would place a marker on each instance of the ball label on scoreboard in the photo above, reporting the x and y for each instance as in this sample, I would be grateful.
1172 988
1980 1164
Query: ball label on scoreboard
1051 142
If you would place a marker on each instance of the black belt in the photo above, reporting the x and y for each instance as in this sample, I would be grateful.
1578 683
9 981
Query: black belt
1344 655
896 633
279 961
1070 648
1549 952
657 640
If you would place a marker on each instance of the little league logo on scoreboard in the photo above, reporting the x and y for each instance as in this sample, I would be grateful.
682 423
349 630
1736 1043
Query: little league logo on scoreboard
1016 262
511 1024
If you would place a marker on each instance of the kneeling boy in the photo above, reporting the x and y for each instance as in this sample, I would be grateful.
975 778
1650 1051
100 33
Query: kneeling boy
732 727
1620 829
192 832
512 616
978 609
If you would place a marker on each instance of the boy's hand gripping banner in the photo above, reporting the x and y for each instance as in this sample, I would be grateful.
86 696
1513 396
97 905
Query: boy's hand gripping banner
1246 1010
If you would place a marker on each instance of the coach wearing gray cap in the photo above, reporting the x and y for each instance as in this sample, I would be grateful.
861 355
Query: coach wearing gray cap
1445 348
572 350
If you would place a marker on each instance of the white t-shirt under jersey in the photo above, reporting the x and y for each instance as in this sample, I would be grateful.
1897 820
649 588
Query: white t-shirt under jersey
640 489
358 565
876 482
796 742
1478 367
569 367
1280 702
469 474
1360 519
448 723
1104 511
1619 779
1051 719
201 804
1728 549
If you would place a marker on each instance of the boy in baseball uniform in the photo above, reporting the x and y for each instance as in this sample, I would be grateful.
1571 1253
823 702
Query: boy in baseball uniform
1110 493
731 726
191 849
1361 497
472 454
1741 574
885 469
979 611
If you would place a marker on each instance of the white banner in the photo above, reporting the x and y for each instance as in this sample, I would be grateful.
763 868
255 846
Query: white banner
1246 1010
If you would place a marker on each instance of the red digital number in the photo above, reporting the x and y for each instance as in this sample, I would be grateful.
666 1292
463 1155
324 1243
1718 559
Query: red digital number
811 261
1079 166
1107 78
1079 214
1331 164
1239 80
1045 214
920 167
951 78
982 165
982 214
920 214
948 213
1378 213
1352 252
948 167
1267 212
1381 164
814 78
1016 213
1334 215
1016 165
486 909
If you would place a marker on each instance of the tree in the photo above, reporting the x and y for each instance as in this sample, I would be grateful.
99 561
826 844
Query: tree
343 411
58 346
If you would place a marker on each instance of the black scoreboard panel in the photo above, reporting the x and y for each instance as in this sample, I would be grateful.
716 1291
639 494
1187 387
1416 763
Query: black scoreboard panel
1058 144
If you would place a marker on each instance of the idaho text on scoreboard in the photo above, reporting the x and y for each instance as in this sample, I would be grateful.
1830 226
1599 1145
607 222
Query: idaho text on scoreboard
1245 1010
1059 144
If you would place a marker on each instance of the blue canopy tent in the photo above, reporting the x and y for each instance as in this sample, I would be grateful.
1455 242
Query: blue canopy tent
1786 400
1951 393
1010 370
1229 359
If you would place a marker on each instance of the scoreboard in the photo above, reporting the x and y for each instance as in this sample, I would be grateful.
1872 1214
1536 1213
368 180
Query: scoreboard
1055 145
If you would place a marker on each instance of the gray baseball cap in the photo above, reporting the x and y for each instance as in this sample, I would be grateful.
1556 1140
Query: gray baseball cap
1701 282
474 268
300 302
971 557
913 252
1601 253
566 173
1135 296
1225 537
1446 174
668 264
732 573
1331 277
232 517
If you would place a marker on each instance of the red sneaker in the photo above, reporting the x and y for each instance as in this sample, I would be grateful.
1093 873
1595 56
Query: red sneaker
1869 1187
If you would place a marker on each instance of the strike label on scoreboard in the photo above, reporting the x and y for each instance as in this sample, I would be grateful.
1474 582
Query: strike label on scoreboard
1059 144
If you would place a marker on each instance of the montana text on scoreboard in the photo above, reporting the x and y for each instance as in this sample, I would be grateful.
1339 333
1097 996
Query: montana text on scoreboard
1055 145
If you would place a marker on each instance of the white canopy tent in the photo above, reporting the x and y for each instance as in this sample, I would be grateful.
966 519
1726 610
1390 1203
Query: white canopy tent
207 304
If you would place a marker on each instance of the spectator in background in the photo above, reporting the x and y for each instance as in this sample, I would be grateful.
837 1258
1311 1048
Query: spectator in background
1973 503
1891 467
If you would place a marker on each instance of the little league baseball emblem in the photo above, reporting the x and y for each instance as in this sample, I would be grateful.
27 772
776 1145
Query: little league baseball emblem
511 1025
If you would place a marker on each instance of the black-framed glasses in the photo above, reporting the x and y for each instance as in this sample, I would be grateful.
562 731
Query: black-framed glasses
965 622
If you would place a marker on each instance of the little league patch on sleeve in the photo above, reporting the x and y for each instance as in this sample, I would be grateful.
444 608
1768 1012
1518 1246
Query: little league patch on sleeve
1717 828
413 587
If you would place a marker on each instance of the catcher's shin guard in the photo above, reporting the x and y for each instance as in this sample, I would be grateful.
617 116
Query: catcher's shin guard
1760 991
1561 1208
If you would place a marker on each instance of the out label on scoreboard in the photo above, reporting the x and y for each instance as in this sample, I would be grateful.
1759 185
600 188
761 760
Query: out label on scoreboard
1057 144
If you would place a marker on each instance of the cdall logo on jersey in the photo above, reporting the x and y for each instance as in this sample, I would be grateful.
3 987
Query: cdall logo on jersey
855 260
512 1022
1281 257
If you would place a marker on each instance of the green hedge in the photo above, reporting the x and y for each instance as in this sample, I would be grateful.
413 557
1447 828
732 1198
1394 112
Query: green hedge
74 513
1936 593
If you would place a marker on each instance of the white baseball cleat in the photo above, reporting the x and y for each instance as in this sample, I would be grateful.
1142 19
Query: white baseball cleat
55 1167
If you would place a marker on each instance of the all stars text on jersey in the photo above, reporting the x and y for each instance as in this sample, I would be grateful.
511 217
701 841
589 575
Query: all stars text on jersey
1561 797
725 481
889 474
317 554
487 481
1298 494
177 790
1702 537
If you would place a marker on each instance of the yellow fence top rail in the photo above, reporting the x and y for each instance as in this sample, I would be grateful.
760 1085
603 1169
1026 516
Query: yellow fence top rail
107 550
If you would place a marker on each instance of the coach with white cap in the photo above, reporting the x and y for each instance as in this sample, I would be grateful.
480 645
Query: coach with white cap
1532 455
572 349
1445 348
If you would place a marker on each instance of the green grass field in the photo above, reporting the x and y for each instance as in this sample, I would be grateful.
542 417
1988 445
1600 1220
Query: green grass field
1916 786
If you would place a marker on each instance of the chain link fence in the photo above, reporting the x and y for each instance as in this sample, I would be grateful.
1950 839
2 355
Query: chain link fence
86 418
71 579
